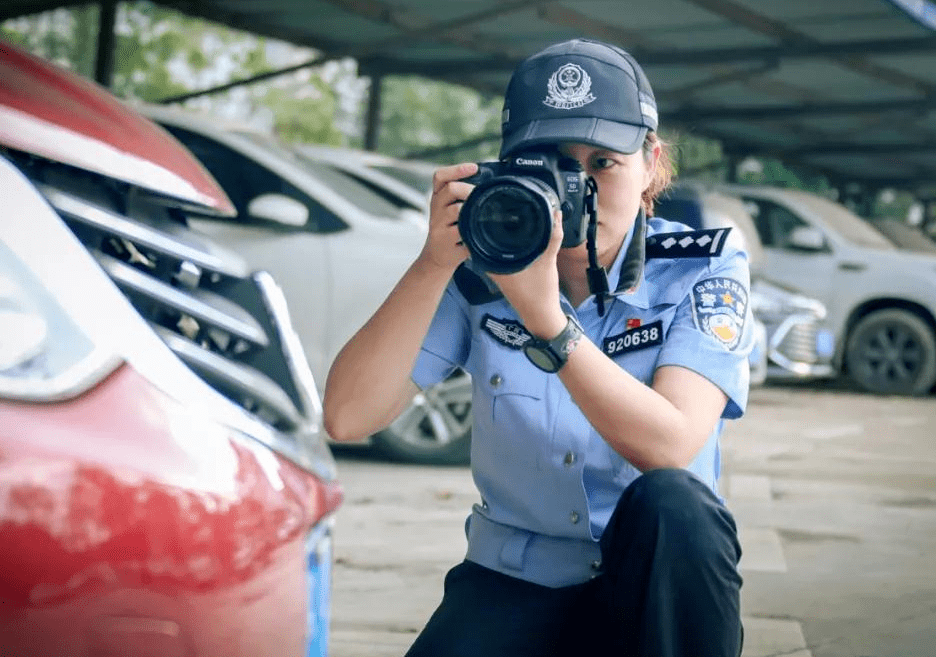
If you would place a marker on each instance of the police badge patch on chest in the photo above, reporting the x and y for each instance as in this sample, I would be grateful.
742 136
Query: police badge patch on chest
718 307
508 332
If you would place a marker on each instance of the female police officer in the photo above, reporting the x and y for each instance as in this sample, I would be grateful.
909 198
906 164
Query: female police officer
600 529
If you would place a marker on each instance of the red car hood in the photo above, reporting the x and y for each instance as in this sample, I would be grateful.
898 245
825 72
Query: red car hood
58 115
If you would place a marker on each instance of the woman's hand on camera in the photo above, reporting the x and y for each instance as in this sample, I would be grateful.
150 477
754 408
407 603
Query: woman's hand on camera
443 247
534 291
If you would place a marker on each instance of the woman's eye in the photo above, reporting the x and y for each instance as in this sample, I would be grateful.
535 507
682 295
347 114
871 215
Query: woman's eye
603 162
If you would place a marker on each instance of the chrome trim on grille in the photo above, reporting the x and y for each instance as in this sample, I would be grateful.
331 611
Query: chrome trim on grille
292 348
203 301
792 346
199 304
235 380
177 244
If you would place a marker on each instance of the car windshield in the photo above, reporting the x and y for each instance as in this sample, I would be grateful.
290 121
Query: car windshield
346 185
905 236
419 180
844 222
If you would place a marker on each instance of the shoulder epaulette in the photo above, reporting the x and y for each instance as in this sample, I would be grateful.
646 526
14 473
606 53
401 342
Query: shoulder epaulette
474 287
687 244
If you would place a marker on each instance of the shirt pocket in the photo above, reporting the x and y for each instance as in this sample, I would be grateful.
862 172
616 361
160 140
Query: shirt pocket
511 423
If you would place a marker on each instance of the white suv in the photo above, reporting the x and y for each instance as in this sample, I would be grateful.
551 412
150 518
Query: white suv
881 299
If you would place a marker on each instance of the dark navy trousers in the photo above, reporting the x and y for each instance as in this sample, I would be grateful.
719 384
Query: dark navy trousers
669 586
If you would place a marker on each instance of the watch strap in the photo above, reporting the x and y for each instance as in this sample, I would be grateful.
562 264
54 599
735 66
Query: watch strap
551 355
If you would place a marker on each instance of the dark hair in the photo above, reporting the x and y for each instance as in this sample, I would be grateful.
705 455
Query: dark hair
664 173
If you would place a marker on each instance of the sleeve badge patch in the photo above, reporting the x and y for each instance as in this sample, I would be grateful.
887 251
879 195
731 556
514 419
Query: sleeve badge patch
508 332
718 308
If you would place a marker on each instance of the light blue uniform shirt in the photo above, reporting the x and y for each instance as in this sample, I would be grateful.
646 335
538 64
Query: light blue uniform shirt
548 481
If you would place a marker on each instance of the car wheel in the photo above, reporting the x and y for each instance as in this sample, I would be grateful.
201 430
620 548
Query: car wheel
435 429
892 352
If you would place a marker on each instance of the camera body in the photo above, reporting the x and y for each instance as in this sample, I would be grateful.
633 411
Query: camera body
506 221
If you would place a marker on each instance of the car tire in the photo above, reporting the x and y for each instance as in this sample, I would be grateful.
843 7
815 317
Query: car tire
892 351
435 429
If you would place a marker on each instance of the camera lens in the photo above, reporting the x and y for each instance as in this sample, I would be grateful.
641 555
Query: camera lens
507 225
509 222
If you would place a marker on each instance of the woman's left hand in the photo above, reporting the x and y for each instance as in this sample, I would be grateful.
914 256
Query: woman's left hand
534 291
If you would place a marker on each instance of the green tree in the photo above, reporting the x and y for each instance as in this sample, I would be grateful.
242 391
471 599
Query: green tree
696 157
426 115
306 117
162 54
64 36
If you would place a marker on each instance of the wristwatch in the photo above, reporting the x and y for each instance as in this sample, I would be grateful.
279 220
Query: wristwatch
551 355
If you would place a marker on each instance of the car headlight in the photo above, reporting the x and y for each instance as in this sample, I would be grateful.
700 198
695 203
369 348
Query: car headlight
44 355
773 303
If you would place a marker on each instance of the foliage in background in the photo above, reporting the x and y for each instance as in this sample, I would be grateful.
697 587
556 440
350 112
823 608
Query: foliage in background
420 115
160 54
65 36
695 157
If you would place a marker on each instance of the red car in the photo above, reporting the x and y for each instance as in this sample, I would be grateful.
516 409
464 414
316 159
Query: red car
165 488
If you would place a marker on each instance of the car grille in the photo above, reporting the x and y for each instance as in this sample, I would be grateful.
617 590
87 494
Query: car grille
799 342
226 323
793 347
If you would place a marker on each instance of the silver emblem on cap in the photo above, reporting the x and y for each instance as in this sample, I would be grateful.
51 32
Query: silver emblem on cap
569 87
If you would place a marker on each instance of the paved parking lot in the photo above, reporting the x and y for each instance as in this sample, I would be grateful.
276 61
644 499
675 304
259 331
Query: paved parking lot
835 497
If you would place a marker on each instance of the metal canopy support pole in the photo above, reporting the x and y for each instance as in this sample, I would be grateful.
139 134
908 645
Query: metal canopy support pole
929 216
841 190
372 129
104 60
733 161
866 201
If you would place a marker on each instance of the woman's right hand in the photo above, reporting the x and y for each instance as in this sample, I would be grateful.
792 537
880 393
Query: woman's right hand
443 247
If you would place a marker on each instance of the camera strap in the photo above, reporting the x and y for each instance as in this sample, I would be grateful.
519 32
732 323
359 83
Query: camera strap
597 276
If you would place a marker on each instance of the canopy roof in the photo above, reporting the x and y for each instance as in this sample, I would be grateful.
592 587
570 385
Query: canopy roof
846 88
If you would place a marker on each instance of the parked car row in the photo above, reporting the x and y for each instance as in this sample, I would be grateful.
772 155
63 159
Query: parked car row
337 227
881 299
165 485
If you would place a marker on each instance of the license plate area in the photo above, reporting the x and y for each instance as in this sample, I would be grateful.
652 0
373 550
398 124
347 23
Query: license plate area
318 587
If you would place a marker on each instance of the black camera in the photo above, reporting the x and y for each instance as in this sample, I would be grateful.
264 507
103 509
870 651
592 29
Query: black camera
506 221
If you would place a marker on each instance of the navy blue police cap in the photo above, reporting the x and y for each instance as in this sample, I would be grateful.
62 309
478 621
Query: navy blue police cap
578 91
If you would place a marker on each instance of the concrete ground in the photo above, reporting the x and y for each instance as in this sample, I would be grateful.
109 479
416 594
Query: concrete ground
835 497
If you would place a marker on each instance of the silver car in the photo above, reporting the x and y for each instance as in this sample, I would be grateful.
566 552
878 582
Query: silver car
881 299
337 247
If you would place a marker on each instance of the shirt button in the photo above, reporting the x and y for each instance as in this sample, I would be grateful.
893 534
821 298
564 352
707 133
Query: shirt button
569 459
496 380
596 564
574 517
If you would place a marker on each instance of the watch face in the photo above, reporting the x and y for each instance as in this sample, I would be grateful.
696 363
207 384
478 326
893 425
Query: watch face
542 359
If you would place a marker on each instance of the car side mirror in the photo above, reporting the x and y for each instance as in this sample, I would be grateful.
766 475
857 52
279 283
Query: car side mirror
807 238
280 209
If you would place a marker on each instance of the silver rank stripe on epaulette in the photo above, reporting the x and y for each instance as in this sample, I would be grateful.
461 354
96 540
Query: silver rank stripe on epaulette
695 244
686 241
